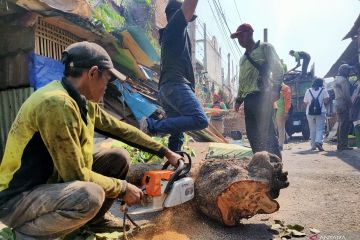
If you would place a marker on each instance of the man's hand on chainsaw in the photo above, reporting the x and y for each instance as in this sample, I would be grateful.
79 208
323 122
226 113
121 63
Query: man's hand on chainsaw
173 157
133 195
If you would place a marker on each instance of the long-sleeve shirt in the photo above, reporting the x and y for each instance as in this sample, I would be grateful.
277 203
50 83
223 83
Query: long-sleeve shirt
284 103
51 141
342 93
249 77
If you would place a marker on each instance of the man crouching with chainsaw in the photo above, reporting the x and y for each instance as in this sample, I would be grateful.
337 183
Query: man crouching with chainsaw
51 183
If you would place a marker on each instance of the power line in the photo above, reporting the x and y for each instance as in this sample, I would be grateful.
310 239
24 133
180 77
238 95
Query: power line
222 23
241 21
222 14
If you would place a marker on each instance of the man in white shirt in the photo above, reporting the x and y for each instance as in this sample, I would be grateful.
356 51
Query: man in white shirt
316 119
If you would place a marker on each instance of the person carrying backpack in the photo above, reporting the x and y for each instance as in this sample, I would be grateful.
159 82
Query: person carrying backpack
315 99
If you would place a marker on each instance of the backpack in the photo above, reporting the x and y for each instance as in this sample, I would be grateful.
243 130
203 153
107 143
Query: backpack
315 106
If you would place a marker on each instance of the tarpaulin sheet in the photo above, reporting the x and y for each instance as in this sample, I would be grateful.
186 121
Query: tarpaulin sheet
43 70
138 105
143 41
223 150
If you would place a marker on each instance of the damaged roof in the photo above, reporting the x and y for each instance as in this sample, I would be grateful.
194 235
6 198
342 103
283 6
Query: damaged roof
349 56
354 32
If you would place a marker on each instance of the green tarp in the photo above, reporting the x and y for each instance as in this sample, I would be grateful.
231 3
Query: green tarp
224 150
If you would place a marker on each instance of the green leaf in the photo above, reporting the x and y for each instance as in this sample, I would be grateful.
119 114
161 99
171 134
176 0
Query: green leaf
276 228
282 223
109 236
91 237
295 233
296 227
286 234
7 234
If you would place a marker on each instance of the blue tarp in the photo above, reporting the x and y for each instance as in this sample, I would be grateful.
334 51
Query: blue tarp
43 70
138 105
143 41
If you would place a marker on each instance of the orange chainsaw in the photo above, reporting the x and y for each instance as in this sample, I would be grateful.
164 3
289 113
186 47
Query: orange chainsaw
165 188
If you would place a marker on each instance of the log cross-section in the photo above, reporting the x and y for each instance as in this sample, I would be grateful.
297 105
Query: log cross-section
228 190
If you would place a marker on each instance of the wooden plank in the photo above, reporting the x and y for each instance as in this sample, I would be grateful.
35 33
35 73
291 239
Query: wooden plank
52 40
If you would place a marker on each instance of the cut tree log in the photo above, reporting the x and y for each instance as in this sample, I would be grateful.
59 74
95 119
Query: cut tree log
231 189
137 171
228 190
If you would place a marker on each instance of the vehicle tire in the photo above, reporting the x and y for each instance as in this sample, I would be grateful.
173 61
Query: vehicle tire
306 131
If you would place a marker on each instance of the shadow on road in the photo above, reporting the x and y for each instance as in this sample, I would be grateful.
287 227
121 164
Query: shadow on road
351 157
246 231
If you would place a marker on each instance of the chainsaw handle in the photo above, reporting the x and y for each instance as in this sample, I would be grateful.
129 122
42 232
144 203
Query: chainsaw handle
175 176
188 166
180 171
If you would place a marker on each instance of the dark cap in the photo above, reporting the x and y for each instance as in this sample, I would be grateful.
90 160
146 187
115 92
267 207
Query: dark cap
86 55
245 27
173 6
345 70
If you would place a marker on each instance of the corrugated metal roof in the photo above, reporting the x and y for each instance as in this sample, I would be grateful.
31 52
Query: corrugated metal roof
10 103
77 7
354 30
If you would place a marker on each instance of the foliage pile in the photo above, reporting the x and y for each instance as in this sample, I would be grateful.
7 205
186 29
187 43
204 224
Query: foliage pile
138 156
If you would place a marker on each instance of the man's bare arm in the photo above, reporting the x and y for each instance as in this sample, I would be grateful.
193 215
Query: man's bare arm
188 8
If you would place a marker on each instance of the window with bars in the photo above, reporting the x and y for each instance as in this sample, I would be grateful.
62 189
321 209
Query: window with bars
51 41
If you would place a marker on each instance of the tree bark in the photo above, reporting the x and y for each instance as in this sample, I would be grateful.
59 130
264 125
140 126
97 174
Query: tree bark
228 190
137 171
231 189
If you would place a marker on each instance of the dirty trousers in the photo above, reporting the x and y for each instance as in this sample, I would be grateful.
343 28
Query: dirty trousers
260 126
343 118
50 211
280 122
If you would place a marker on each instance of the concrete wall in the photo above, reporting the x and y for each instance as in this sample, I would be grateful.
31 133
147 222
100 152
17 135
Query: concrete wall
160 18
214 62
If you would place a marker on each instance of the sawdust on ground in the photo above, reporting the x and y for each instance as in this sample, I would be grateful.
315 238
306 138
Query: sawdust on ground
175 224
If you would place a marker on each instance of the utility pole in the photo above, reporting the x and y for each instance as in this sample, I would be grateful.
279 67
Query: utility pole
205 49
232 66
228 76
221 69
265 35
192 33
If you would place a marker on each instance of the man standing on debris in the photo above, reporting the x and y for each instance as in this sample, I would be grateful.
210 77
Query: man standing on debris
343 105
177 81
51 183
261 75
305 57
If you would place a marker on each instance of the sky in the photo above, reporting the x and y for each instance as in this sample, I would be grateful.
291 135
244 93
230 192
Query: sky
314 26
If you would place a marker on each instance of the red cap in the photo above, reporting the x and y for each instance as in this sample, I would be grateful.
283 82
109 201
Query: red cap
245 27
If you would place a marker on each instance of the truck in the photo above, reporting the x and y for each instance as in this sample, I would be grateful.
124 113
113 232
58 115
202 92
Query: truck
297 121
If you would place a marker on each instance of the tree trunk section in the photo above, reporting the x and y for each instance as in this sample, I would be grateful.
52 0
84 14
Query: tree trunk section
137 171
228 190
